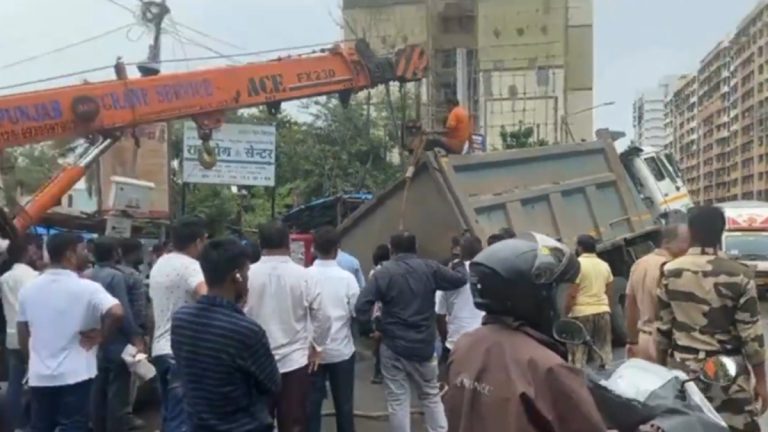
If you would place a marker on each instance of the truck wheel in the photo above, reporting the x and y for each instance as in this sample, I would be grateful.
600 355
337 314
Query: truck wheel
618 323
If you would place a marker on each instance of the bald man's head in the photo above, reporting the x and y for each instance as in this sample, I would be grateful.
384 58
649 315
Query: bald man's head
675 239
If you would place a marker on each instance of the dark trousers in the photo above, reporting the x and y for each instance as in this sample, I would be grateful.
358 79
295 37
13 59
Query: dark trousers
377 359
62 408
111 397
17 416
341 377
290 406
171 394
442 365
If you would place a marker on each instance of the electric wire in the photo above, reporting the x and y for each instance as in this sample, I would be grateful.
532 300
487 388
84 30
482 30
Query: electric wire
66 47
186 39
182 25
211 37
177 60
124 7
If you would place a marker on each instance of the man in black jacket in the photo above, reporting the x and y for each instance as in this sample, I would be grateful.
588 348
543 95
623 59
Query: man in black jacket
406 287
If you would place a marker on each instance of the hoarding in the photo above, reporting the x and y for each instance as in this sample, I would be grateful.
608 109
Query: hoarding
245 156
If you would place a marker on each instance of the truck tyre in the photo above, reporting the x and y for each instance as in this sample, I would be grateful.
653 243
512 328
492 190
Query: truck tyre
618 323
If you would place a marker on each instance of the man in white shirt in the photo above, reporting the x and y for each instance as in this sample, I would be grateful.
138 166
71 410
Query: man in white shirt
284 301
337 365
22 255
62 318
456 311
175 280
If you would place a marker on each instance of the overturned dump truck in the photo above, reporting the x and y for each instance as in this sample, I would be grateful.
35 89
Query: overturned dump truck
561 190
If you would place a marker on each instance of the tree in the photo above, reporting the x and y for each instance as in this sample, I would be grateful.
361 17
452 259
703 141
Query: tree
520 138
336 150
27 169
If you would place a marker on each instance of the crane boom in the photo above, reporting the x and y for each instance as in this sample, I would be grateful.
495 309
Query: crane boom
102 111
79 110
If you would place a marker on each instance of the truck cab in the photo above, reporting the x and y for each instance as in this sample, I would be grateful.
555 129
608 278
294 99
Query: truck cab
746 237
657 179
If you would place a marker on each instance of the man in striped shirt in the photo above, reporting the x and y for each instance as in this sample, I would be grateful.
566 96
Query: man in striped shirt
228 372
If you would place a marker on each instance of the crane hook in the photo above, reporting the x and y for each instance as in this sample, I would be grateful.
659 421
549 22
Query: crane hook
206 155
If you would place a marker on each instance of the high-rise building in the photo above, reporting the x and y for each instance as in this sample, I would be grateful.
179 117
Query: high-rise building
649 114
518 64
682 112
720 117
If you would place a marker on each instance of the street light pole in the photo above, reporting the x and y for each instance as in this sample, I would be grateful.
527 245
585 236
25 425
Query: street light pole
567 133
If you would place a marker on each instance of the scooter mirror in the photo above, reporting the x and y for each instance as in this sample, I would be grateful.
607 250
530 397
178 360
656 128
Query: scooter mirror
569 331
719 370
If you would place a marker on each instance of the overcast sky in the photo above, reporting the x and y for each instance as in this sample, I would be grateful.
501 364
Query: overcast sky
636 41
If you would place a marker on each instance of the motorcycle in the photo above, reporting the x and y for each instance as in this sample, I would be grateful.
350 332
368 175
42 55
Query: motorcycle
635 393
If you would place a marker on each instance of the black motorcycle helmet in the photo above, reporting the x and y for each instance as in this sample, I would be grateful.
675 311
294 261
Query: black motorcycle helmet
518 278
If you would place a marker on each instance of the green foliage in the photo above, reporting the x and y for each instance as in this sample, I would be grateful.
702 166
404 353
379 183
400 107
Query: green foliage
26 169
520 138
334 150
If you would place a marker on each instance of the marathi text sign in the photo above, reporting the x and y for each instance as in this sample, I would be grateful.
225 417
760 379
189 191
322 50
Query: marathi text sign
245 155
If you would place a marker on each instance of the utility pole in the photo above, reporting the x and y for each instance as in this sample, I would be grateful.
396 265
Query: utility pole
153 13
462 78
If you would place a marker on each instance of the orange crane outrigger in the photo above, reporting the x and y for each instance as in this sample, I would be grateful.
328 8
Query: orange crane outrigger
100 112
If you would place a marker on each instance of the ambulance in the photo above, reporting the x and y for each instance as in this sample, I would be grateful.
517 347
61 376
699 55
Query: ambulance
746 237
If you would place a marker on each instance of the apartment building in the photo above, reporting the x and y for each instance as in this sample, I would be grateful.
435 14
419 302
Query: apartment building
649 114
719 117
526 63
682 108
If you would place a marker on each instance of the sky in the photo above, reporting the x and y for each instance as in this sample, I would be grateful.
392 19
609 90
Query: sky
636 41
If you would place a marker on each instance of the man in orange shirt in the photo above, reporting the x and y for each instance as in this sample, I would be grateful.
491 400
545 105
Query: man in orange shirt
458 130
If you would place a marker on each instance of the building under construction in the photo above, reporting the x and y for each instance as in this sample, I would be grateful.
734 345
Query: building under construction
515 64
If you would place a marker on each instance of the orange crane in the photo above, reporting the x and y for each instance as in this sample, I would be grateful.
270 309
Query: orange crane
101 112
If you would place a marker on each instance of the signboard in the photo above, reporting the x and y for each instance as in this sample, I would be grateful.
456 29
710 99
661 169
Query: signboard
478 144
118 227
245 154
148 162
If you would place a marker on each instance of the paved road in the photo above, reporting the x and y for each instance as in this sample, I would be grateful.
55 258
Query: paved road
370 398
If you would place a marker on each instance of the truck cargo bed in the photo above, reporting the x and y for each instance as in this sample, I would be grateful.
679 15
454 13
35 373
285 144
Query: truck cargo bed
559 190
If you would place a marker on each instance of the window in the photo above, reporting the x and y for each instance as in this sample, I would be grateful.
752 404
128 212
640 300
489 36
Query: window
667 170
70 201
653 165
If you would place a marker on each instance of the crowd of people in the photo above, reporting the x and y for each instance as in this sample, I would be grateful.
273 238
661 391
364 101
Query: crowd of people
242 338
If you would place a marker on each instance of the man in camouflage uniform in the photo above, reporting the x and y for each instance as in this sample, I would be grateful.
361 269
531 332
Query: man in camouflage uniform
707 306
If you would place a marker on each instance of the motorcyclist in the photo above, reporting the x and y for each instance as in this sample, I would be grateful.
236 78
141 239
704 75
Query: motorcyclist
510 375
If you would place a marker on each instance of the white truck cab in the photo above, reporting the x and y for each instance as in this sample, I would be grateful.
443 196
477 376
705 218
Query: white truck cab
746 237
657 179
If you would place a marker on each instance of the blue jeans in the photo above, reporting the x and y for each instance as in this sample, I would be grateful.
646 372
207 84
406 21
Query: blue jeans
341 377
62 408
14 396
171 394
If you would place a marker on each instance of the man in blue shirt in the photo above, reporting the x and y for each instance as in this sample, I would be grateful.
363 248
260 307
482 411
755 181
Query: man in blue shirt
228 372
111 407
352 265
